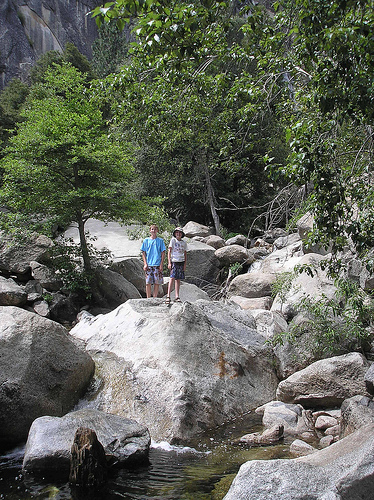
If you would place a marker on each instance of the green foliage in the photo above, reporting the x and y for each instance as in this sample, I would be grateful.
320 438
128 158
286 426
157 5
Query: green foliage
337 325
12 98
72 55
43 64
282 285
62 166
236 269
331 60
51 58
48 297
166 31
335 41
156 215
66 259
201 136
109 50
310 66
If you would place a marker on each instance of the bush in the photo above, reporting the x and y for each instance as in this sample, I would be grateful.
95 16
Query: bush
342 324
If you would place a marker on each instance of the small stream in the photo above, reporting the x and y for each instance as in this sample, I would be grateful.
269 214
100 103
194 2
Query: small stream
202 470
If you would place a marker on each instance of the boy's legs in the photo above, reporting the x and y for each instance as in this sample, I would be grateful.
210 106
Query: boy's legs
153 276
149 281
177 288
170 286
148 290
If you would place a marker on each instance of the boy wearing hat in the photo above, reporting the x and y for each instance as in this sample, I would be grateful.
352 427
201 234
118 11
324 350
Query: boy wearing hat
177 259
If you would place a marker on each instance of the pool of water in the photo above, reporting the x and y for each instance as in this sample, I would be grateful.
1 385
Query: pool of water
200 470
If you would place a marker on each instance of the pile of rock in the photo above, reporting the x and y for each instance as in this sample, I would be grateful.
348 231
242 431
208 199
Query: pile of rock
180 369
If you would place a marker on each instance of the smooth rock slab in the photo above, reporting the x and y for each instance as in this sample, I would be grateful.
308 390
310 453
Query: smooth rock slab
202 265
214 241
356 412
252 285
178 369
233 253
192 229
343 471
48 447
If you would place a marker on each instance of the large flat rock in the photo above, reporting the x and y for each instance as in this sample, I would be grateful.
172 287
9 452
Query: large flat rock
178 369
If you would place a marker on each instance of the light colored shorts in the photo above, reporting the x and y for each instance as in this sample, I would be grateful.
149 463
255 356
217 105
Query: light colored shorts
153 276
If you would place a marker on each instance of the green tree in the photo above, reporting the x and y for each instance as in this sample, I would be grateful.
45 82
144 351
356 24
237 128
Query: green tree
202 137
62 165
331 133
70 54
43 64
12 99
110 49
171 30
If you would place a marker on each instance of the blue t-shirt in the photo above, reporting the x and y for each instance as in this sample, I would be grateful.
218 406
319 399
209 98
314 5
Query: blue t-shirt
153 249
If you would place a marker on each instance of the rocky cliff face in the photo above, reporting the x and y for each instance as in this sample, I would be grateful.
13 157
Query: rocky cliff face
29 28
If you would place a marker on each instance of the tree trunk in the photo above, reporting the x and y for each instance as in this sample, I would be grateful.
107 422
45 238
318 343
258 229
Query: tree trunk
88 466
203 163
83 242
210 193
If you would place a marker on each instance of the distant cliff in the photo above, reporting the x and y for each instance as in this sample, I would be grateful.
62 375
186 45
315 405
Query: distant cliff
29 28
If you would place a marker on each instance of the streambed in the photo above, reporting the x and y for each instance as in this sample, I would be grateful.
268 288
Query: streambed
200 471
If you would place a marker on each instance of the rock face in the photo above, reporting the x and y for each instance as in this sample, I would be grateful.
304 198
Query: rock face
45 276
48 447
15 257
202 265
174 370
10 293
344 470
30 28
268 437
327 382
356 412
233 253
42 372
132 270
187 291
252 285
214 241
192 229
111 288
304 285
293 418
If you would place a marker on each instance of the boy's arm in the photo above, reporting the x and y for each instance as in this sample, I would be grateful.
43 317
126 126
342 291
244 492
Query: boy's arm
162 260
169 257
185 260
144 255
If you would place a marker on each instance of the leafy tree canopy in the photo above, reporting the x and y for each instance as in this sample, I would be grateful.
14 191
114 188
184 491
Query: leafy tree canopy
62 165
12 99
110 49
313 65
174 30
331 129
70 55
202 137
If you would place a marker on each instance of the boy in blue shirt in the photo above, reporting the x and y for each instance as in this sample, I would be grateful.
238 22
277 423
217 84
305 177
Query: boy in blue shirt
153 253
